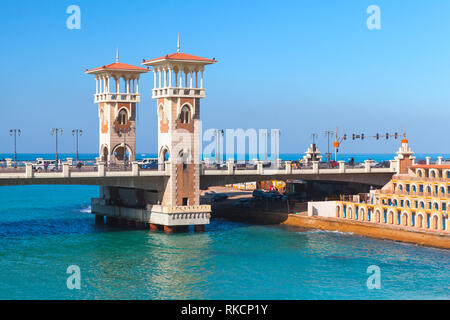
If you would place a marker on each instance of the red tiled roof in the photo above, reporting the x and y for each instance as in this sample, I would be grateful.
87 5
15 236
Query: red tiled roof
180 56
118 66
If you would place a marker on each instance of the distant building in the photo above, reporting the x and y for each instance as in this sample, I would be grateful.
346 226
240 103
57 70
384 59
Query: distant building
416 198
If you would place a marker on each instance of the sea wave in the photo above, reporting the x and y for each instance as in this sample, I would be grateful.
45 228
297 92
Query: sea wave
327 231
86 210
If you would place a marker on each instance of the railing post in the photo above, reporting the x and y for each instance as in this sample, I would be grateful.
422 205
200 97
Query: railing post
65 170
134 168
259 167
439 160
288 168
8 162
315 166
367 166
168 168
279 161
101 169
427 160
341 166
230 166
29 170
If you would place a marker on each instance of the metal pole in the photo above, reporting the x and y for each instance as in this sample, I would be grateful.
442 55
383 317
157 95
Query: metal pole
15 149
124 150
77 147
56 149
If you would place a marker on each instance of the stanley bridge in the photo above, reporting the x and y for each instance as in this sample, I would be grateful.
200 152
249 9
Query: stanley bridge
169 197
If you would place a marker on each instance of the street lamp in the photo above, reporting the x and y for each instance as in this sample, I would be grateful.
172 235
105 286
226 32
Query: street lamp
56 131
77 133
328 134
15 132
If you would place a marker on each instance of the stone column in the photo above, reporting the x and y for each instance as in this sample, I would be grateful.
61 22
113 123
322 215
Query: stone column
367 167
439 160
315 165
101 169
29 170
134 168
341 166
259 167
230 165
427 160
288 168
65 171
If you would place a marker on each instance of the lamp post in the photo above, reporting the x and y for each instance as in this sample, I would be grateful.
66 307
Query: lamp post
77 133
15 133
328 134
56 131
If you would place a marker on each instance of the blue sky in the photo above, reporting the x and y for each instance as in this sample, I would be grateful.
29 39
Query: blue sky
300 66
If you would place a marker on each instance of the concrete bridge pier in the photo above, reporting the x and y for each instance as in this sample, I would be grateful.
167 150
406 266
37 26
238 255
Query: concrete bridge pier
138 208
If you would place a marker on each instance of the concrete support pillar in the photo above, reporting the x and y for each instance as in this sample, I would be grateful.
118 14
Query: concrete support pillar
29 170
134 168
122 222
288 168
140 225
65 171
111 221
99 219
341 166
315 166
367 166
427 160
131 223
199 228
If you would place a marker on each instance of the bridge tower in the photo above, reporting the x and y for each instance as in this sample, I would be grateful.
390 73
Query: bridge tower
117 94
178 88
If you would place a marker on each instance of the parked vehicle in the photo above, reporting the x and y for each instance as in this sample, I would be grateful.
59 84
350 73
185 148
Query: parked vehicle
258 194
244 203
44 165
150 163
334 164
219 197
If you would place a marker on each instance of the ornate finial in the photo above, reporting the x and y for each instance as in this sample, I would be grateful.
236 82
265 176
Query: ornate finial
178 43
117 55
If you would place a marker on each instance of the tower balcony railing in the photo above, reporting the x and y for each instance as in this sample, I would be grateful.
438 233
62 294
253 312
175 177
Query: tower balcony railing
179 92
117 97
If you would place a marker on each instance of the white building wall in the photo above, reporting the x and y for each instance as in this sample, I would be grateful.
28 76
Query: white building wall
322 209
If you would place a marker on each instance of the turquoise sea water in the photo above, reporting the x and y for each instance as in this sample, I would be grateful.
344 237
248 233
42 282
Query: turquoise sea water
45 229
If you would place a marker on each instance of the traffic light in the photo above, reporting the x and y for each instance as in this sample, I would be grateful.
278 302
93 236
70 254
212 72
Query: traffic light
387 135
353 136
362 136
377 136
345 136
396 135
